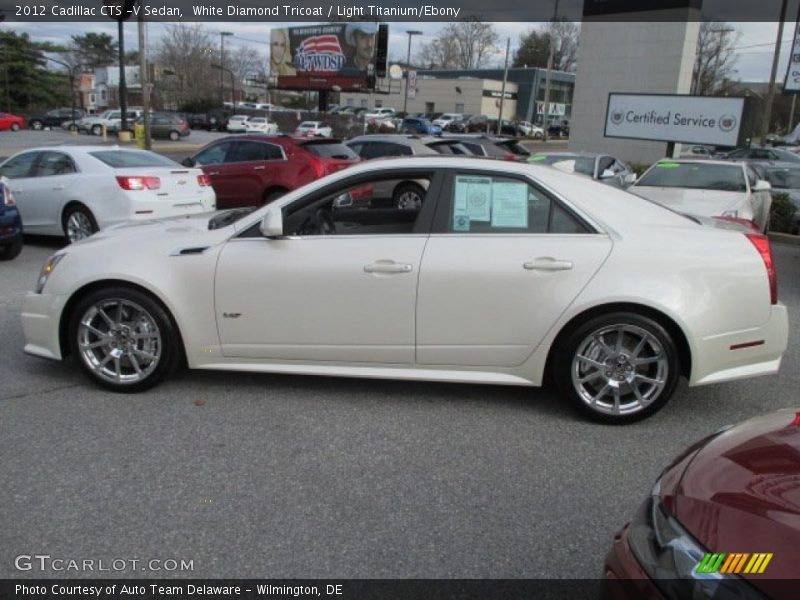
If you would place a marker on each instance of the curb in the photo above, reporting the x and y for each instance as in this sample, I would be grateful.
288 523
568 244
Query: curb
784 238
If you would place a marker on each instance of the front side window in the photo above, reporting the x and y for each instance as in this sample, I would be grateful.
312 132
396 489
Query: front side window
380 206
213 155
19 166
496 204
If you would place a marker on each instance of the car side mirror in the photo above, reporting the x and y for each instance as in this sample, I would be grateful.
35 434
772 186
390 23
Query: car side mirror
630 178
762 186
607 174
272 223
188 162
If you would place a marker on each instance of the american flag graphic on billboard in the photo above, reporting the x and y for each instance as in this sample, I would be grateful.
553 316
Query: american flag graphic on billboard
319 53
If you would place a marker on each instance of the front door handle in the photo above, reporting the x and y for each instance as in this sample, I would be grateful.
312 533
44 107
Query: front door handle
259 168
214 173
388 266
547 263
58 188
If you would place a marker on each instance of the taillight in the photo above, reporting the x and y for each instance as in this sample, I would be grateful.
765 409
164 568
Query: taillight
138 183
740 221
319 168
203 180
761 242
509 156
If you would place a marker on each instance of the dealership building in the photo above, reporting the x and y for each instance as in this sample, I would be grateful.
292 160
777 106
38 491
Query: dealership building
477 91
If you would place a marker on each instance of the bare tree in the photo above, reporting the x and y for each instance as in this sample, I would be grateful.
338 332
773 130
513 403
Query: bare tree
187 52
715 58
534 46
465 44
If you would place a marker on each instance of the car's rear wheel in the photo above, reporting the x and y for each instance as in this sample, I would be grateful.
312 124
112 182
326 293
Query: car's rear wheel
174 136
617 368
272 195
408 196
11 250
78 223
37 125
15 127
123 339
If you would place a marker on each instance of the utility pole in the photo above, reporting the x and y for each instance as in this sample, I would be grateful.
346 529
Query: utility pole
222 36
410 33
771 93
143 77
123 88
503 92
549 75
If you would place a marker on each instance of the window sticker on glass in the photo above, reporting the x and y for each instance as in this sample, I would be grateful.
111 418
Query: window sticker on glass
509 205
473 200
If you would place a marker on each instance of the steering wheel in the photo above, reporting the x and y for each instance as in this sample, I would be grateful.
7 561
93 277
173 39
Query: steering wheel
324 222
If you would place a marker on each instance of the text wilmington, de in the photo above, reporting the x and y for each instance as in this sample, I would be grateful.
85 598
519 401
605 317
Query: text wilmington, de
343 10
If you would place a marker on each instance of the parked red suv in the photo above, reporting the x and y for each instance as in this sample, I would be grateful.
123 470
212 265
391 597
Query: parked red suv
251 170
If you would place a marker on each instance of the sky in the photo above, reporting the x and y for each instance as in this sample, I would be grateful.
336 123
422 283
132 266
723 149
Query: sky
754 49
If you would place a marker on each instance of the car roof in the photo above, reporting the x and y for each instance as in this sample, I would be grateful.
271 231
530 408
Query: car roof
567 153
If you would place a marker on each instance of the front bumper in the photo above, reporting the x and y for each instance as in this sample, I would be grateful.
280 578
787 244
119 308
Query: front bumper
728 356
41 317
624 578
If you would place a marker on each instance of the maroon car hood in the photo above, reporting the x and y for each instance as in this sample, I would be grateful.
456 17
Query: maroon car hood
741 493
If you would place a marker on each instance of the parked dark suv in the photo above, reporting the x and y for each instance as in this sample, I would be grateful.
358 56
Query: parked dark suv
54 118
251 170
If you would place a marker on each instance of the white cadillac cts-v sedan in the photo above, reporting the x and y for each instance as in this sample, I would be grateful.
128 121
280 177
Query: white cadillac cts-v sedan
506 273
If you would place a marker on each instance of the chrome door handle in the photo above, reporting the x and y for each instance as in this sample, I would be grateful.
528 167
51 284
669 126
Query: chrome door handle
388 266
547 263
214 173
58 188
259 168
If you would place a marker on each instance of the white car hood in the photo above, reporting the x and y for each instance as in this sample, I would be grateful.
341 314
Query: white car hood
706 203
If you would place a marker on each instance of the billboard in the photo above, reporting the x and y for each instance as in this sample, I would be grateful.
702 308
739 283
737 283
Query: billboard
339 56
792 82
709 120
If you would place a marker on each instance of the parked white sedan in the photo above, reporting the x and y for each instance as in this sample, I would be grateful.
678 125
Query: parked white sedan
75 190
313 128
506 273
237 124
261 125
708 188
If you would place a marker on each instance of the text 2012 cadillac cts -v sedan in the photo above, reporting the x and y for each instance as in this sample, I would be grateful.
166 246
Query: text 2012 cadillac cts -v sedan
505 273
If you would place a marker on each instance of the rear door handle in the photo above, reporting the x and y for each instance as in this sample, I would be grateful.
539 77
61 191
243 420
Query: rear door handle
547 263
58 188
259 168
388 266
214 173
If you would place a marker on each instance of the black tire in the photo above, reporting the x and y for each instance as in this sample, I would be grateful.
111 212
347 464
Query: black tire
168 346
271 196
96 130
37 125
11 250
663 367
174 136
15 127
77 209
402 194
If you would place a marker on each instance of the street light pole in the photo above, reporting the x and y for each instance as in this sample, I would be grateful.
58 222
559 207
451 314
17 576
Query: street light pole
222 36
408 66
144 79
549 75
771 94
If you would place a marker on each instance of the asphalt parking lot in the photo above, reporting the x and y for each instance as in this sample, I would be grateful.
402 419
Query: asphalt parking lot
252 475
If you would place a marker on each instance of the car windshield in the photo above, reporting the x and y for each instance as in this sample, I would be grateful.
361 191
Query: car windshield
330 150
122 159
583 164
257 120
784 178
695 176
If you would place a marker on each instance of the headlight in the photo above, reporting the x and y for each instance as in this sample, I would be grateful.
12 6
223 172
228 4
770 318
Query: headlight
8 197
670 556
47 268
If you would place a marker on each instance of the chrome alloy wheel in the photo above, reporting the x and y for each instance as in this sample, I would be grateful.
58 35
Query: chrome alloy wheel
119 340
409 200
619 369
79 226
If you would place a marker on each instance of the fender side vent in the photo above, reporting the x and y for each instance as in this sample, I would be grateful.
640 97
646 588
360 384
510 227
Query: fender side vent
189 251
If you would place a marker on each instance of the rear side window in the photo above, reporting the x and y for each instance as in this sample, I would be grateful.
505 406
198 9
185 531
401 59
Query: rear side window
247 151
496 204
123 159
330 150
55 163
19 166
213 155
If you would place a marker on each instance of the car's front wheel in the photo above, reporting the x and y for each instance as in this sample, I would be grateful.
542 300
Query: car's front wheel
97 129
123 339
174 136
617 368
11 250
408 196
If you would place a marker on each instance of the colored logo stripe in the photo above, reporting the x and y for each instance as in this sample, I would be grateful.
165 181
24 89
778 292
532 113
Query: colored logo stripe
734 562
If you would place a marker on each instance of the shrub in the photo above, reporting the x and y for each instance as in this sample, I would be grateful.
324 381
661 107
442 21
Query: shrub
781 213
639 168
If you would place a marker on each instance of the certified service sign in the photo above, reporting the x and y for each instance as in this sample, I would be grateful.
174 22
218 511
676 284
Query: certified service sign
674 118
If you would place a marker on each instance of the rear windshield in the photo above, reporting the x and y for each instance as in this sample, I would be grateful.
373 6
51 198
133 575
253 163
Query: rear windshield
784 178
583 164
330 150
122 159
515 147
696 176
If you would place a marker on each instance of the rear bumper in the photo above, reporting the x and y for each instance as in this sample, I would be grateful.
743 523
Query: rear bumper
740 354
623 577
41 315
